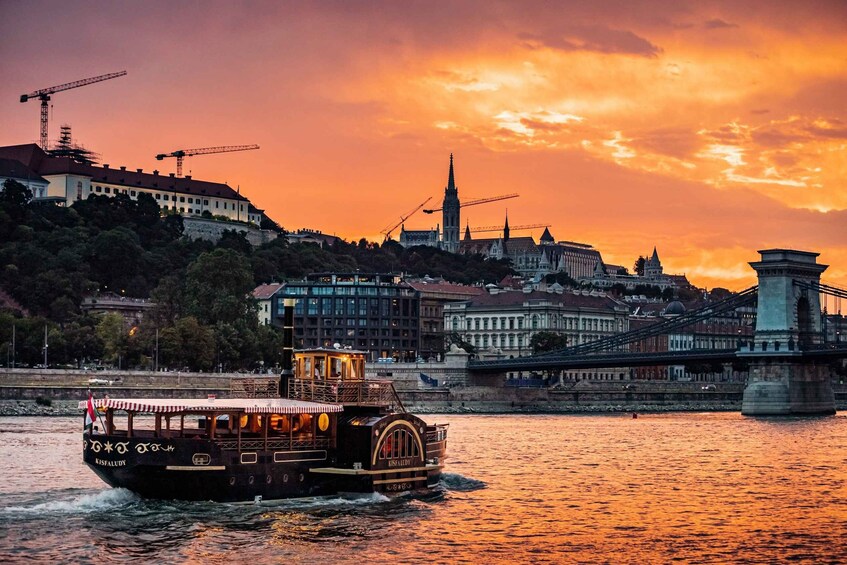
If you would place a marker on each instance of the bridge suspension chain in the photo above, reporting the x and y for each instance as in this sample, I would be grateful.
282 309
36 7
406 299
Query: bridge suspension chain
827 289
743 298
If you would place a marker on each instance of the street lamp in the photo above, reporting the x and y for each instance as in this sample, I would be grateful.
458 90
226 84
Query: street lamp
45 346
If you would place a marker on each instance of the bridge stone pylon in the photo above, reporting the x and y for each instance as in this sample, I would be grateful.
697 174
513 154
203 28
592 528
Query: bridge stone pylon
788 322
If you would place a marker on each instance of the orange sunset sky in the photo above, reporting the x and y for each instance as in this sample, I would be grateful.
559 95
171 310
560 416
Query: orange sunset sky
707 129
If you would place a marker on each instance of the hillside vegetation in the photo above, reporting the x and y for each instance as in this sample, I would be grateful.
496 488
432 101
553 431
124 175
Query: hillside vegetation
52 257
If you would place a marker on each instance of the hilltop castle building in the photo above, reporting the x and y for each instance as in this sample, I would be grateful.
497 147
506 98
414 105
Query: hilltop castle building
63 180
580 261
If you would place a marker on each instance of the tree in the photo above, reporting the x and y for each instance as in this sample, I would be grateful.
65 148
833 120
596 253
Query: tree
14 202
116 255
563 279
219 286
638 268
542 342
114 336
717 294
235 240
187 344
169 298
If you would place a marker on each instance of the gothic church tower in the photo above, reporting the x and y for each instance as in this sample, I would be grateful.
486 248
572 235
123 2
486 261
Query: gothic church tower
450 210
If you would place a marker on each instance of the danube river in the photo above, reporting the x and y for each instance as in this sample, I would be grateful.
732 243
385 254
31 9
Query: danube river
691 488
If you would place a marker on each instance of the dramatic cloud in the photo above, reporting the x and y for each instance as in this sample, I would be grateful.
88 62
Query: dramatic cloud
718 24
591 38
709 128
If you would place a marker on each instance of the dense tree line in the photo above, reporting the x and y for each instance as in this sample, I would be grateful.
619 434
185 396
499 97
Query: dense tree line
204 317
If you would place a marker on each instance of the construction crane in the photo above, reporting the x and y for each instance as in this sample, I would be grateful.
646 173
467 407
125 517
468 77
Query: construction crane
387 231
181 153
45 93
511 228
475 202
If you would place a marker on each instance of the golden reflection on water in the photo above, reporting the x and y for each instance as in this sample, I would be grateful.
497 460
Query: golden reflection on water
693 488
704 487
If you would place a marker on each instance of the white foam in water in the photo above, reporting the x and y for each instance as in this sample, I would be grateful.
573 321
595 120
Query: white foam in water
457 482
103 500
317 502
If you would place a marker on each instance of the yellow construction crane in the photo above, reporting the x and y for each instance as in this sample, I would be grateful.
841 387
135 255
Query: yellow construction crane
475 202
45 93
181 153
387 231
511 228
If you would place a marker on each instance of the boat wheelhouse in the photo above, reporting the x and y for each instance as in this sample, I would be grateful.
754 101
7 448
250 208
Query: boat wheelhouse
322 430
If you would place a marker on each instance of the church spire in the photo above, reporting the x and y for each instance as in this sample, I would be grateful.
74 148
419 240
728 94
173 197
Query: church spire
451 214
451 183
467 232
506 228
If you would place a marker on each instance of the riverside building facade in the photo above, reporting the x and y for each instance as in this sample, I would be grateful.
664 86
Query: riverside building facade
376 313
69 181
504 321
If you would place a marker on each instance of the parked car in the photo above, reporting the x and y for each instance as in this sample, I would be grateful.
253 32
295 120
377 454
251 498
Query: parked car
708 387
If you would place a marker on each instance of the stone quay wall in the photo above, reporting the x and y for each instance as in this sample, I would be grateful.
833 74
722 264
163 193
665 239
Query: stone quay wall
57 393
212 230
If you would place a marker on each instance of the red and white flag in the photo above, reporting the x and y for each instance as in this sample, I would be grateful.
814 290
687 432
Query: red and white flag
90 414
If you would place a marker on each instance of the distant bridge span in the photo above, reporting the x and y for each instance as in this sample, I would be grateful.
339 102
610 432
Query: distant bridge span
638 359
789 354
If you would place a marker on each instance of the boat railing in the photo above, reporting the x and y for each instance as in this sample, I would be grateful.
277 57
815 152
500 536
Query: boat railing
261 444
349 393
436 433
254 387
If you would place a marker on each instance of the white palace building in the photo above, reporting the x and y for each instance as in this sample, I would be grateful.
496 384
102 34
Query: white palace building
63 181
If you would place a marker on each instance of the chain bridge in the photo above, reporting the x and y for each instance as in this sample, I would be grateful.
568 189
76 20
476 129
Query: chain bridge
789 356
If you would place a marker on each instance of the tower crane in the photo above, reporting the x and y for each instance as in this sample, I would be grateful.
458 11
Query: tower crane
478 201
387 231
512 228
181 153
45 93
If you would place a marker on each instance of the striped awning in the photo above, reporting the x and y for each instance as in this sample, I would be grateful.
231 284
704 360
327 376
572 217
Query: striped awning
245 405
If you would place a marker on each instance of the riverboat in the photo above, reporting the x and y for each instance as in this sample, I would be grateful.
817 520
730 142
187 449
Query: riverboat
321 430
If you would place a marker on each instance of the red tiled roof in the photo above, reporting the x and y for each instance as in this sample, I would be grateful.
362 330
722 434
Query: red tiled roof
38 161
266 291
445 288
15 169
521 244
29 154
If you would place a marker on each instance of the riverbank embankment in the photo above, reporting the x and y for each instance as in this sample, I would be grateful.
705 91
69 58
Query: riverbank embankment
57 393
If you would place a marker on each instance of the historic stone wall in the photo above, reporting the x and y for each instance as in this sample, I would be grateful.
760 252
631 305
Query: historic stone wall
212 230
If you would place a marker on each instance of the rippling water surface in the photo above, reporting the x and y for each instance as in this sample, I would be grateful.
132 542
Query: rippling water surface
692 488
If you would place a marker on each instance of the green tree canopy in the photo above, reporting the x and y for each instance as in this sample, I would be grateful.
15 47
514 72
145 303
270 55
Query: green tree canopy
542 342
219 287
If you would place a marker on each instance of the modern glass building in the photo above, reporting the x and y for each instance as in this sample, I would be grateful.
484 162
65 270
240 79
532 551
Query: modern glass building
377 313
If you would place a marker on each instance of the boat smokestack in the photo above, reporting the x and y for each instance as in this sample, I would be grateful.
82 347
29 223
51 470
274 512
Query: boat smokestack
287 346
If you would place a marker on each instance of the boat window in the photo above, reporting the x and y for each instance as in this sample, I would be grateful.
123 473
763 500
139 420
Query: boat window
119 422
302 424
251 423
400 444
194 425
143 423
280 423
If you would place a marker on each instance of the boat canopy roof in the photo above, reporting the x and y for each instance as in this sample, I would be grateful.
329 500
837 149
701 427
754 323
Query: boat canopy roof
330 351
246 405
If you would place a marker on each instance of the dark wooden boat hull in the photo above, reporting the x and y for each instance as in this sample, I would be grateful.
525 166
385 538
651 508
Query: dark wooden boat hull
199 469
